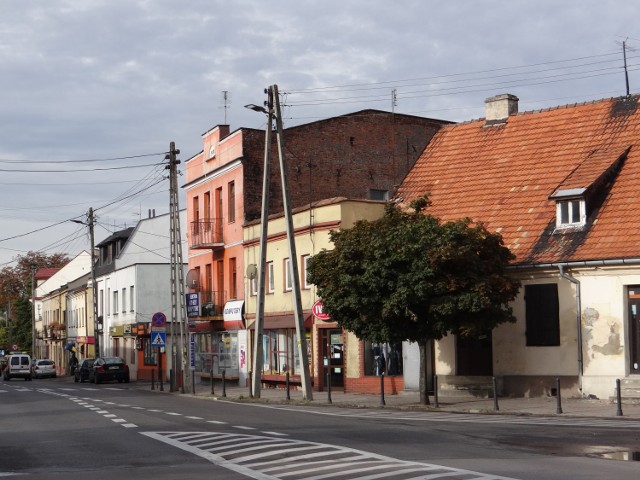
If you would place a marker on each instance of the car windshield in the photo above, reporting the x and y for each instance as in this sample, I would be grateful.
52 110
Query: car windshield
45 362
109 360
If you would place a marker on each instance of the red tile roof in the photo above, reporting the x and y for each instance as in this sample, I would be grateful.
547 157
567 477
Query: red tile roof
505 175
45 273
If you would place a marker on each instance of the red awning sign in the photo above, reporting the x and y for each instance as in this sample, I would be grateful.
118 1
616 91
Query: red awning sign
318 311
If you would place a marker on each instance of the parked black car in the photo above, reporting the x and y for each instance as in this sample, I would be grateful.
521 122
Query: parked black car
109 368
82 372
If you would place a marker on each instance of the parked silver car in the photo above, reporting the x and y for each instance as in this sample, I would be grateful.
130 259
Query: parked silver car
43 367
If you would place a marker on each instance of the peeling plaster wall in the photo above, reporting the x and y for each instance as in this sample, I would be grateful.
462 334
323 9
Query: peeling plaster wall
604 307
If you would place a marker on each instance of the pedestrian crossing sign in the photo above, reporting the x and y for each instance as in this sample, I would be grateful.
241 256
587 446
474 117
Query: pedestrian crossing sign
158 339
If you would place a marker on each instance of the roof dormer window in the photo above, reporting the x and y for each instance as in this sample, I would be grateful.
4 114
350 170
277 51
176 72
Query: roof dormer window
571 209
570 212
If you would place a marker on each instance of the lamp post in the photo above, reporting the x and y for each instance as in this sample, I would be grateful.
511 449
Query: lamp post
94 288
273 111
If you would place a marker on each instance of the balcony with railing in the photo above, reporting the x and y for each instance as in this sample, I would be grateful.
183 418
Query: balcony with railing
212 303
206 234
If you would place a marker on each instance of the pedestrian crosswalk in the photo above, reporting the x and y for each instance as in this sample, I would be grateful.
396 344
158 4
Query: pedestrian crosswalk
269 458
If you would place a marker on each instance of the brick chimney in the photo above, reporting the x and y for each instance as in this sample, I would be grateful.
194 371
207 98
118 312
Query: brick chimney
499 108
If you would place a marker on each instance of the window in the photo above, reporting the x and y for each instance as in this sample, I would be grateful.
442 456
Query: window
542 315
382 358
280 352
108 302
570 212
305 265
378 194
231 192
254 285
115 302
271 284
233 277
287 275
131 297
101 303
124 300
150 352
195 202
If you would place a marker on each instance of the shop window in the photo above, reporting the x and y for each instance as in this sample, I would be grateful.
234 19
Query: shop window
542 311
382 358
280 354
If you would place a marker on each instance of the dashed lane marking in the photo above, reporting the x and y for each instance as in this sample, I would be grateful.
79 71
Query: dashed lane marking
267 458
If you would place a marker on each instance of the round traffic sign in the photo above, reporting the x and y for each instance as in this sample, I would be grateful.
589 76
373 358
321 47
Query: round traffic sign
318 311
159 319
15 346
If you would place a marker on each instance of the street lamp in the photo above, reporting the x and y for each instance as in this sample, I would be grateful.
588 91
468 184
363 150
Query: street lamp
96 335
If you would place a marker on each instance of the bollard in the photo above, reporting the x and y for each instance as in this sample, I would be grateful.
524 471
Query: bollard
193 382
287 384
382 402
250 384
212 392
153 379
495 395
558 397
224 384
435 391
171 380
329 386
160 379
618 398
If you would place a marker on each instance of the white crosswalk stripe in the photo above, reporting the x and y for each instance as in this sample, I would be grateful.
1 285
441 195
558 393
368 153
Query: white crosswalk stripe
268 458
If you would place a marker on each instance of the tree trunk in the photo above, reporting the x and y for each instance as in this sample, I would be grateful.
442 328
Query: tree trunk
424 371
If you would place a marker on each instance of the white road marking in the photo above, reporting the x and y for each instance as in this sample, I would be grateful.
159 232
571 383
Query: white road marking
194 418
271 459
242 427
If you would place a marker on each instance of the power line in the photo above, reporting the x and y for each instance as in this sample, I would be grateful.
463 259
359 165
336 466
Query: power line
4 160
81 169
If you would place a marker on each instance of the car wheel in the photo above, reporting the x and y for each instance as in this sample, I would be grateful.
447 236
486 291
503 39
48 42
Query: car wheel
126 379
97 379
75 379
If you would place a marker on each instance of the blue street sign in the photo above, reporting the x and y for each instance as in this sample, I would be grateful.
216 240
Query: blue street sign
158 339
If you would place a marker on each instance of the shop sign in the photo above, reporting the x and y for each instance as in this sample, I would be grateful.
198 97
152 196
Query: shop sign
193 304
318 311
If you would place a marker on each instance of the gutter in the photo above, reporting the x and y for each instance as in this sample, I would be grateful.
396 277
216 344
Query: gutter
578 324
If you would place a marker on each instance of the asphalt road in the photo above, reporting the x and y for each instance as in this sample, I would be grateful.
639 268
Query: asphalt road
52 429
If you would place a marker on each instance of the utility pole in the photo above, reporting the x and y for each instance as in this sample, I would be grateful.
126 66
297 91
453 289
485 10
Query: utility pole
33 312
258 353
273 111
177 275
94 287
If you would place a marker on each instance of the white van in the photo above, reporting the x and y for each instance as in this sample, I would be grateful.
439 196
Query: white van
18 366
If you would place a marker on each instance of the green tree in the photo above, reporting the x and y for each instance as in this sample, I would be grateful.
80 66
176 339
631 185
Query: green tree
410 276
15 295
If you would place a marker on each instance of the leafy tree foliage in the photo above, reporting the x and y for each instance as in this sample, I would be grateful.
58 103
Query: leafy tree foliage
15 295
409 276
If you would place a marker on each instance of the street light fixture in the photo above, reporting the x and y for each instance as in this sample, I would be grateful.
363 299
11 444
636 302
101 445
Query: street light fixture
96 332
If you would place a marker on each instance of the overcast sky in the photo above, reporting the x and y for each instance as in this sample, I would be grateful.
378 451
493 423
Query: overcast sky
114 81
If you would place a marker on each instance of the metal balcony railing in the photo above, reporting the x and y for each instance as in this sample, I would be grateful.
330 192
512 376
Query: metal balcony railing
212 303
206 234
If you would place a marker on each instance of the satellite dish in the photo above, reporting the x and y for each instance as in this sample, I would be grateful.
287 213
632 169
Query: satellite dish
193 279
252 271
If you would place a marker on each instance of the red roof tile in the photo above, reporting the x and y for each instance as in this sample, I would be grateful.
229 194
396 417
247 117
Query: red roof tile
505 175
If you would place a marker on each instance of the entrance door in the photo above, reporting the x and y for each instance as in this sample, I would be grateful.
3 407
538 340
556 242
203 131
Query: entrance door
333 355
474 356
634 330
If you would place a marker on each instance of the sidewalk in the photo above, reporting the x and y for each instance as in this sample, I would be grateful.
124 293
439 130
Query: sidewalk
410 401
